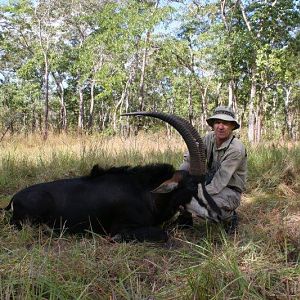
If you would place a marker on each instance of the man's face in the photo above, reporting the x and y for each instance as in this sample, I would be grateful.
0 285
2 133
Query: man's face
222 129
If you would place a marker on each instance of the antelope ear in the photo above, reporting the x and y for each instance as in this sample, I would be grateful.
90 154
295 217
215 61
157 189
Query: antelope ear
166 187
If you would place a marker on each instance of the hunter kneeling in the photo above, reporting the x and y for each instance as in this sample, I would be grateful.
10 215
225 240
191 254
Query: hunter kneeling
226 168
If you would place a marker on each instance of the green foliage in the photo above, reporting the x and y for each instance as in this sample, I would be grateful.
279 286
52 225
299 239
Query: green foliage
189 62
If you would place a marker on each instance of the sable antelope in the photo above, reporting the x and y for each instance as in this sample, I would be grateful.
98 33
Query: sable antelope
125 202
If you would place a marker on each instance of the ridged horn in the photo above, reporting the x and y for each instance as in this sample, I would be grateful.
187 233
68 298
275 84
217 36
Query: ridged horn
197 139
197 159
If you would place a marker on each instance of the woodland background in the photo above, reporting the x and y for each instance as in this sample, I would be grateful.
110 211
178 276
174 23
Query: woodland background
76 65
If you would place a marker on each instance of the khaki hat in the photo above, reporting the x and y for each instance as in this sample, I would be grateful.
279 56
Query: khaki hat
223 113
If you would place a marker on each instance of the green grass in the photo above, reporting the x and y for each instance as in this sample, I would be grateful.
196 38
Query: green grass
260 262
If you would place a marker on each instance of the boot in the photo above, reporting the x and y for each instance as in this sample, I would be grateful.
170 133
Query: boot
232 226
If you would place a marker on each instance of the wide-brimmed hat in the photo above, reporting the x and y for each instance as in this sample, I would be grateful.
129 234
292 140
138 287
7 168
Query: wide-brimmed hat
223 113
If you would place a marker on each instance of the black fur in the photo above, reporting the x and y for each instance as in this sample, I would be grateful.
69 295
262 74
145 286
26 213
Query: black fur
115 201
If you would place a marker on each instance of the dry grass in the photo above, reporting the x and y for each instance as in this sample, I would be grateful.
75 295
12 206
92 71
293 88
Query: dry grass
260 262
27 160
32 146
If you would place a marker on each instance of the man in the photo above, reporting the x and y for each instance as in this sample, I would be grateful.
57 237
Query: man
226 164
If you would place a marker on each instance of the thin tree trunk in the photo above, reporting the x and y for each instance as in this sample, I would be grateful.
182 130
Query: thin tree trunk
40 119
44 44
97 66
251 118
92 103
217 103
143 70
190 103
46 111
81 110
288 118
259 116
232 98
103 115
63 110
125 94
33 120
204 107
119 104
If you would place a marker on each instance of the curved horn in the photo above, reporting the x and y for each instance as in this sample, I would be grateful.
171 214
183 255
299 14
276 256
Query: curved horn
197 139
197 159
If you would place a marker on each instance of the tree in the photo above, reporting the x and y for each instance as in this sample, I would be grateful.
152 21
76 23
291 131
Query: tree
85 62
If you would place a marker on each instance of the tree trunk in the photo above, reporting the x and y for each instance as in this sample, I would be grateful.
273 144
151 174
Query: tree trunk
119 104
103 115
44 45
230 93
92 103
40 122
97 66
46 111
63 110
81 110
251 118
288 117
33 120
125 94
204 108
190 103
259 116
143 70
217 102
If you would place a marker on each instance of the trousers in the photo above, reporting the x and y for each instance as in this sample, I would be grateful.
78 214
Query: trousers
228 200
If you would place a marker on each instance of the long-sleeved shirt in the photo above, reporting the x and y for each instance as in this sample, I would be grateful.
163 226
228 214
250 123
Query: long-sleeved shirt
230 159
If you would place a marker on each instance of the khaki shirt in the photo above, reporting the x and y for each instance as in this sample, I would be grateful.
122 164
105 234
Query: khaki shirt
233 164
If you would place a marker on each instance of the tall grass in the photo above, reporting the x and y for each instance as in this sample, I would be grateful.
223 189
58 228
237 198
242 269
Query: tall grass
260 262
275 165
25 161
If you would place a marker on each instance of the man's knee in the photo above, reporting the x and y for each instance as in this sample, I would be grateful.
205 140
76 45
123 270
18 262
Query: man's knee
228 200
